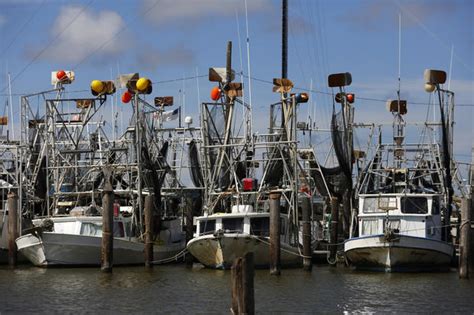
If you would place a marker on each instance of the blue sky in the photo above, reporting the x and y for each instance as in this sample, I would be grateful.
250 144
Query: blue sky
174 39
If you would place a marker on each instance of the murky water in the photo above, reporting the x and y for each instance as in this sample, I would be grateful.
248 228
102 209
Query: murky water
177 289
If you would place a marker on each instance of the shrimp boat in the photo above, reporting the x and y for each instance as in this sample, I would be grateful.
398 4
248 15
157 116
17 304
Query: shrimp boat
222 237
68 163
405 198
240 171
76 241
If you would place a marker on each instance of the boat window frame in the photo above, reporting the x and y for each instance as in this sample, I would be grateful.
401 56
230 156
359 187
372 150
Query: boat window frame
376 224
119 229
377 203
403 200
208 231
241 230
262 232
435 204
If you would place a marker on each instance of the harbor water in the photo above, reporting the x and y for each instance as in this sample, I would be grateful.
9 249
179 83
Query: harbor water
175 289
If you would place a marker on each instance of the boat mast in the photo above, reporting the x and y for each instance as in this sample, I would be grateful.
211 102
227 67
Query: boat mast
284 40
284 52
399 123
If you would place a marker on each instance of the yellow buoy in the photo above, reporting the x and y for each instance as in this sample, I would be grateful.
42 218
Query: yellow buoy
97 86
142 84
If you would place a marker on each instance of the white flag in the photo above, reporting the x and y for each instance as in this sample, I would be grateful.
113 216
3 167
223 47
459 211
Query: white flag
170 114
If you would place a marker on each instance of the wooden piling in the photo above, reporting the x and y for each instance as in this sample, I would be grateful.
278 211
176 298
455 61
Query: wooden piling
149 205
189 227
306 222
107 229
12 228
334 228
242 275
275 251
471 237
464 243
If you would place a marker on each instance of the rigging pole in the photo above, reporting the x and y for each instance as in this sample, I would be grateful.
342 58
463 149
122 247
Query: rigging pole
284 40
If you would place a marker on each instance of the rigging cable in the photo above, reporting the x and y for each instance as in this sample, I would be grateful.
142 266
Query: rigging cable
49 44
20 30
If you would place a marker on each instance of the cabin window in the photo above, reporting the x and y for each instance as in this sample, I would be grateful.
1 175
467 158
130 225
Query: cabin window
372 205
414 205
260 226
65 227
233 224
435 206
207 226
370 226
91 229
119 230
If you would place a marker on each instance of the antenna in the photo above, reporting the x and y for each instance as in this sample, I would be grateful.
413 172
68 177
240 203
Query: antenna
198 92
11 104
450 68
183 107
112 101
248 55
399 53
241 68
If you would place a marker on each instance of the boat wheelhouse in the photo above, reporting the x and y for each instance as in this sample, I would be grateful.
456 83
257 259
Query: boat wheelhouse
399 232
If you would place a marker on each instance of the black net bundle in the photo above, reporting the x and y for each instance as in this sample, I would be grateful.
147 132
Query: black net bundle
194 165
338 179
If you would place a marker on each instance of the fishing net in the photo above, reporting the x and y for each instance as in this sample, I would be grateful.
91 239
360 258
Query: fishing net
194 165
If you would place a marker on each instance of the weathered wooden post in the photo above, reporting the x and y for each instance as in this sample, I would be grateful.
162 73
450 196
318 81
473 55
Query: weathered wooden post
242 275
471 237
334 227
275 259
12 228
107 228
306 222
189 227
149 206
464 243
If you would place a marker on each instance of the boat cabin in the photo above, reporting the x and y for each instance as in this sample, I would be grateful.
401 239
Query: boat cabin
86 225
253 223
406 214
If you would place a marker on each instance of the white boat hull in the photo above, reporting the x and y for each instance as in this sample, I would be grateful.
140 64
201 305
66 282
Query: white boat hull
219 252
404 253
56 249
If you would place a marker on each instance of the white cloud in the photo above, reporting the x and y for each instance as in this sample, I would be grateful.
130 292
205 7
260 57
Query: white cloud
191 11
82 37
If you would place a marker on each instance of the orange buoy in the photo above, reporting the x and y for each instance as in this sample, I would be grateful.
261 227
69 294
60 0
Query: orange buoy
215 93
126 97
61 75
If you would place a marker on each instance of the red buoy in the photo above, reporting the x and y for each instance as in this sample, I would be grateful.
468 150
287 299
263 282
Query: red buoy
126 97
350 97
215 93
61 75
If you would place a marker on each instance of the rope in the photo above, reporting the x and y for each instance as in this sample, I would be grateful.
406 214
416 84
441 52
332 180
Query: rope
464 223
170 259
282 249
